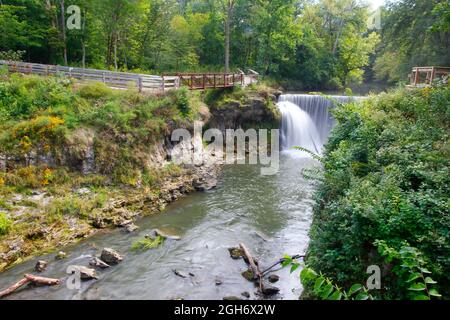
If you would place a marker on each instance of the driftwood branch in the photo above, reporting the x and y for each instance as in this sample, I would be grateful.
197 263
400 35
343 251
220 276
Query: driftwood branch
29 278
255 269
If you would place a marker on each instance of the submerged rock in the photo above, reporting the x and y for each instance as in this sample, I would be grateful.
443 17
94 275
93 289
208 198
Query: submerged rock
40 266
236 253
85 273
165 235
248 275
270 290
245 294
61 255
273 278
180 274
98 263
111 256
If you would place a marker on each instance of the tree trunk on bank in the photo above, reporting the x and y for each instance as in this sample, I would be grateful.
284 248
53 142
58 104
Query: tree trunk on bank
63 31
227 43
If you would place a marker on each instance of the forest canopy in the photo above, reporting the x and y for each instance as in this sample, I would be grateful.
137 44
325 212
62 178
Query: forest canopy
318 44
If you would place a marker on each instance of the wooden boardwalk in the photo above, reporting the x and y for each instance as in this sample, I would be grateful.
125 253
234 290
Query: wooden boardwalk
143 82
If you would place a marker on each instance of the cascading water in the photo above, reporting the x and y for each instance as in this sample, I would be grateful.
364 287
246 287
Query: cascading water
298 129
306 120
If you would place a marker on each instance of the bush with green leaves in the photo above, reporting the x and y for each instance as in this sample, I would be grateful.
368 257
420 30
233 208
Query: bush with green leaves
410 270
385 178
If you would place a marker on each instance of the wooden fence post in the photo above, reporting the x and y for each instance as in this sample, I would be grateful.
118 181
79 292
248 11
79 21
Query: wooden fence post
140 83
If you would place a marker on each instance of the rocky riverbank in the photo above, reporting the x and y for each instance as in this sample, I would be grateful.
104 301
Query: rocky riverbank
38 228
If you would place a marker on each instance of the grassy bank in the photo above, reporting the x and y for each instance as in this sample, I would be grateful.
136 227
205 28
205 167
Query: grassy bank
384 196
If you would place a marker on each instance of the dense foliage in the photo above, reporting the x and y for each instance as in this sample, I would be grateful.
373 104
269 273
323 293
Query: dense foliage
320 44
415 33
385 193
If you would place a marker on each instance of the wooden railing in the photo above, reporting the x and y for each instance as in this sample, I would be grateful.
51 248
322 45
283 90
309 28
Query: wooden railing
203 81
118 80
124 80
425 76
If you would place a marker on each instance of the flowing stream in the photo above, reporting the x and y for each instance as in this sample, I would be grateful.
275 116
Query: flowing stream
270 214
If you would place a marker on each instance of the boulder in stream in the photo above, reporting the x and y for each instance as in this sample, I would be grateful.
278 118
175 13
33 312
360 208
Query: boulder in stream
111 256
269 290
98 263
273 278
40 266
85 273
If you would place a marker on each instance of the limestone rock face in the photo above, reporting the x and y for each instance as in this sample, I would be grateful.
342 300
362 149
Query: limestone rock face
256 110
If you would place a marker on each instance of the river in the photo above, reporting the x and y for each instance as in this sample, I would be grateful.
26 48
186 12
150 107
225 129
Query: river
270 214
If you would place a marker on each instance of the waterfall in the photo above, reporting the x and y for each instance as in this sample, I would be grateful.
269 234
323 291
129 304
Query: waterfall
306 120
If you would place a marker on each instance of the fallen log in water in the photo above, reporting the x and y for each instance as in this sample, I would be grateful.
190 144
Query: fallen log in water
29 278
254 274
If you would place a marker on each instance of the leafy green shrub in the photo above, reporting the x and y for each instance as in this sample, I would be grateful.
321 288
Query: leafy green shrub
385 178
324 288
5 224
410 269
